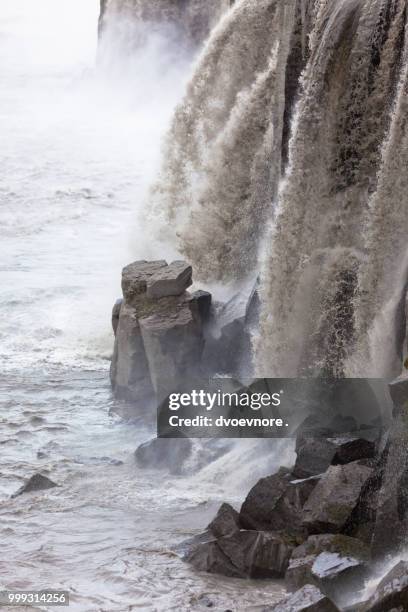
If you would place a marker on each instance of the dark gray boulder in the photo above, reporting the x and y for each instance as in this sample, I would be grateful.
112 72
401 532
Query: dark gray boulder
351 447
37 482
275 503
173 341
308 599
315 454
228 351
337 564
334 498
200 304
136 275
392 591
245 554
169 280
225 523
164 454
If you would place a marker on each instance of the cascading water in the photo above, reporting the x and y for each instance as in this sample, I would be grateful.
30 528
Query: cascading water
223 151
190 19
321 217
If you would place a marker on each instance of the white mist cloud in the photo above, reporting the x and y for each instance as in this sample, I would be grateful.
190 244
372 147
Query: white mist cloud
47 33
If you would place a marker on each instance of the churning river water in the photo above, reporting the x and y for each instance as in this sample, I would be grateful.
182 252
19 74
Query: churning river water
79 145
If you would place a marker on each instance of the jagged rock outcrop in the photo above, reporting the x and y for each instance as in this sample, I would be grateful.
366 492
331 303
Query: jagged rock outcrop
166 336
244 554
334 498
316 454
37 482
275 503
159 332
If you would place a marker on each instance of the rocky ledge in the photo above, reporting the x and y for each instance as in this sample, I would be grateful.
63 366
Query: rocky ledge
327 533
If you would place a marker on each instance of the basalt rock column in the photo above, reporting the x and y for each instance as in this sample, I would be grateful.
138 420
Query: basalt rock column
159 331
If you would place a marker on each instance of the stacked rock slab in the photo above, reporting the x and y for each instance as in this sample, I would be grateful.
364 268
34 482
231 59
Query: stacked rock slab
158 331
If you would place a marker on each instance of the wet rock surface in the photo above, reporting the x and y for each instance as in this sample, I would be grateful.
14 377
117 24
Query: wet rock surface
226 522
308 599
159 335
334 498
392 591
245 554
173 279
164 454
337 564
276 502
37 482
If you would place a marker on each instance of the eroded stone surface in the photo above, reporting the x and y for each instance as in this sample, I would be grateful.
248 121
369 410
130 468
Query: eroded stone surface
334 498
245 554
169 280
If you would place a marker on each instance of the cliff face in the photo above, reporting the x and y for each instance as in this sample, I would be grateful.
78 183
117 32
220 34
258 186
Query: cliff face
194 19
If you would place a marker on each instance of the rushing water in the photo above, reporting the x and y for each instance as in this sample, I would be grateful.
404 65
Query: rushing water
79 146
290 159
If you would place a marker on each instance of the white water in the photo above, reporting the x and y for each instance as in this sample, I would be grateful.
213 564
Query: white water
79 147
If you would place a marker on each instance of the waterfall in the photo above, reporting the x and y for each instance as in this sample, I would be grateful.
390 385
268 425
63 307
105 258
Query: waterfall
286 158
223 153
190 20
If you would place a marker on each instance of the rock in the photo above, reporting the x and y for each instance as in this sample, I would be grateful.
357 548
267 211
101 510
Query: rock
361 523
245 554
230 352
308 599
174 343
130 374
164 454
392 592
334 498
342 424
136 275
115 314
315 454
351 448
334 563
169 280
275 503
226 522
200 303
37 482
159 340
